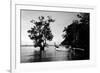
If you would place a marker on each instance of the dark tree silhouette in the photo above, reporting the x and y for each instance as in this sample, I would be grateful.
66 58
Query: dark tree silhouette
77 34
40 32
71 34
84 33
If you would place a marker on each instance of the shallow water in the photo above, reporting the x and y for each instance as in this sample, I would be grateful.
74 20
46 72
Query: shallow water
31 54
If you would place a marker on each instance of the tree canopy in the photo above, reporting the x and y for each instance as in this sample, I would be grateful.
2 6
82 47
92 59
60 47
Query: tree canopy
40 32
77 33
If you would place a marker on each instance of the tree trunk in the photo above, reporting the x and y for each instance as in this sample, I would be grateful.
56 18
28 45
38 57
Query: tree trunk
41 52
42 48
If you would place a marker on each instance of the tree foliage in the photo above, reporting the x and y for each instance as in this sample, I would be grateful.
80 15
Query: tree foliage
70 33
77 34
40 32
84 30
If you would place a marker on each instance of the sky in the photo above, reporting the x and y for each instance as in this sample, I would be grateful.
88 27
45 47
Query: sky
62 19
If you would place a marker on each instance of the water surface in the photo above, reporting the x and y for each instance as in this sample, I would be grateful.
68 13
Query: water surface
32 54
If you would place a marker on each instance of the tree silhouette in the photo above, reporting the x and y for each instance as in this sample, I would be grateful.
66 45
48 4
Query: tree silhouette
71 34
40 32
84 33
77 34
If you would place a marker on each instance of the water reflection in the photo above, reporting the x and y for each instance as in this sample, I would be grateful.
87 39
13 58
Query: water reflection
37 57
31 54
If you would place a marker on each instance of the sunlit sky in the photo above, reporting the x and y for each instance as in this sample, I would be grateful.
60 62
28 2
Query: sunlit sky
62 19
